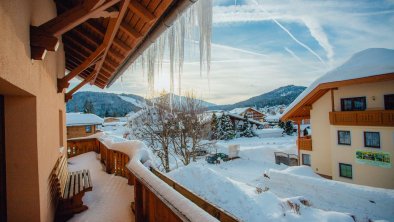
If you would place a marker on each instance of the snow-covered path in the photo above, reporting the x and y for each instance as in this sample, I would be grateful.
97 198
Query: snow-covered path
111 196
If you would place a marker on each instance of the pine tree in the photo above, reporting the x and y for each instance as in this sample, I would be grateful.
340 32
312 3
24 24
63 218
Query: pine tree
227 128
247 129
214 127
289 129
88 107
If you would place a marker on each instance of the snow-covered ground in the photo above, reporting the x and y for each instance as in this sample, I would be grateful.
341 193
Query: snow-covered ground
233 186
111 195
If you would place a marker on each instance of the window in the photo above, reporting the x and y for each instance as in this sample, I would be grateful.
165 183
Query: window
88 129
306 159
345 170
353 104
61 125
389 102
344 137
372 139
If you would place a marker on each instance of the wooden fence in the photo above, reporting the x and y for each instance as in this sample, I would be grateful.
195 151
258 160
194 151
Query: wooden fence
213 210
285 158
149 205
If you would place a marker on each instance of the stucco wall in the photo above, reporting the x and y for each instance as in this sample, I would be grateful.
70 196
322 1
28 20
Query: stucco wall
320 125
32 107
372 91
362 173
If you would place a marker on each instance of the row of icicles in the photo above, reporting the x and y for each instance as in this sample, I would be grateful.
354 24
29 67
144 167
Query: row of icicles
193 26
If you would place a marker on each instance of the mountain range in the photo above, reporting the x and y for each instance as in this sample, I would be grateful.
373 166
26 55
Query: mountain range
281 96
111 104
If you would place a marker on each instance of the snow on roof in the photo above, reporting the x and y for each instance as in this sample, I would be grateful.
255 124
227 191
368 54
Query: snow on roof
273 117
81 119
369 62
239 111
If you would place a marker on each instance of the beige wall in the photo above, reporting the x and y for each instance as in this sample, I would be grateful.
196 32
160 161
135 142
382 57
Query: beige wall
320 125
32 107
369 90
364 174
327 154
79 131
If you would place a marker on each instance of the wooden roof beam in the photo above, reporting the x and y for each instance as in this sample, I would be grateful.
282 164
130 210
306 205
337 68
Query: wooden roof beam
119 43
141 11
64 82
130 30
69 94
112 29
46 36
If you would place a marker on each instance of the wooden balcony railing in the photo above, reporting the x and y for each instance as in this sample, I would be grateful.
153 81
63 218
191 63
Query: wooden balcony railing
363 118
152 200
305 143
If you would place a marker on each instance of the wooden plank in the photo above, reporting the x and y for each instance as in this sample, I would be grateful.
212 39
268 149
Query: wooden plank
112 28
63 83
72 186
141 11
129 30
72 18
41 39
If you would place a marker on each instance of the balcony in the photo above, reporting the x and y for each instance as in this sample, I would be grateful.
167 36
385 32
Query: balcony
363 118
155 195
305 143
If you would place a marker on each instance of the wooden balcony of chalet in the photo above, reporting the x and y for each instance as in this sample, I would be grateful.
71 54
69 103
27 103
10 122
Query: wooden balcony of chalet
305 143
363 118
156 197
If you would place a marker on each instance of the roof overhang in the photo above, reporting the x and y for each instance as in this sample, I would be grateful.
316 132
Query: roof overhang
101 38
302 109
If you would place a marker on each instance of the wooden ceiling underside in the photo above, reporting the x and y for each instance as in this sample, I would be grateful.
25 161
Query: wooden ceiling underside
83 40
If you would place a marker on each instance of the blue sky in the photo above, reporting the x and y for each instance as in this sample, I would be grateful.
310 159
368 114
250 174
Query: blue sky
259 45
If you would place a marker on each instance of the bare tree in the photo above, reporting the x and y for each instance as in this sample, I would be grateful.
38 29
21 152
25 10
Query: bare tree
173 128
154 126
190 129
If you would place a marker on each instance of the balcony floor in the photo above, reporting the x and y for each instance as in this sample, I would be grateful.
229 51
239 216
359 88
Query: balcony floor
111 195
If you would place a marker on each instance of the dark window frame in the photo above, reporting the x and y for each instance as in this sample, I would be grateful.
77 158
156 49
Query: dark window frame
338 140
353 99
86 129
302 157
365 140
386 105
351 170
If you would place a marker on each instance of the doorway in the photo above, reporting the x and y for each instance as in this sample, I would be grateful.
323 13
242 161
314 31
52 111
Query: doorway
3 193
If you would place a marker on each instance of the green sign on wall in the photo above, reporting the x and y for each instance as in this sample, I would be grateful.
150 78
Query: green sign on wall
374 158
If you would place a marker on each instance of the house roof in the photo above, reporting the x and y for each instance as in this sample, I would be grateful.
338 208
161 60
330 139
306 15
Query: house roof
82 119
239 111
117 35
370 65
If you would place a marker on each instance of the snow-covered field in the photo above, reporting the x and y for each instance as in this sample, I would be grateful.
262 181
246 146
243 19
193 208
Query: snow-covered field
233 186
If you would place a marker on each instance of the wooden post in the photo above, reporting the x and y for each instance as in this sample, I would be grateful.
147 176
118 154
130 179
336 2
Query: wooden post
332 101
138 204
298 141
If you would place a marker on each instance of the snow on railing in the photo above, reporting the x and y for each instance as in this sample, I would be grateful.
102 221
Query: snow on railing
173 205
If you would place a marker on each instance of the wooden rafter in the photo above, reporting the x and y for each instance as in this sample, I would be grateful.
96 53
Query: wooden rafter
46 36
141 11
112 29
64 82
69 94
130 31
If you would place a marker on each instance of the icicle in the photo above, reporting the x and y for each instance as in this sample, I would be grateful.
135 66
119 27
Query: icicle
171 45
198 15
